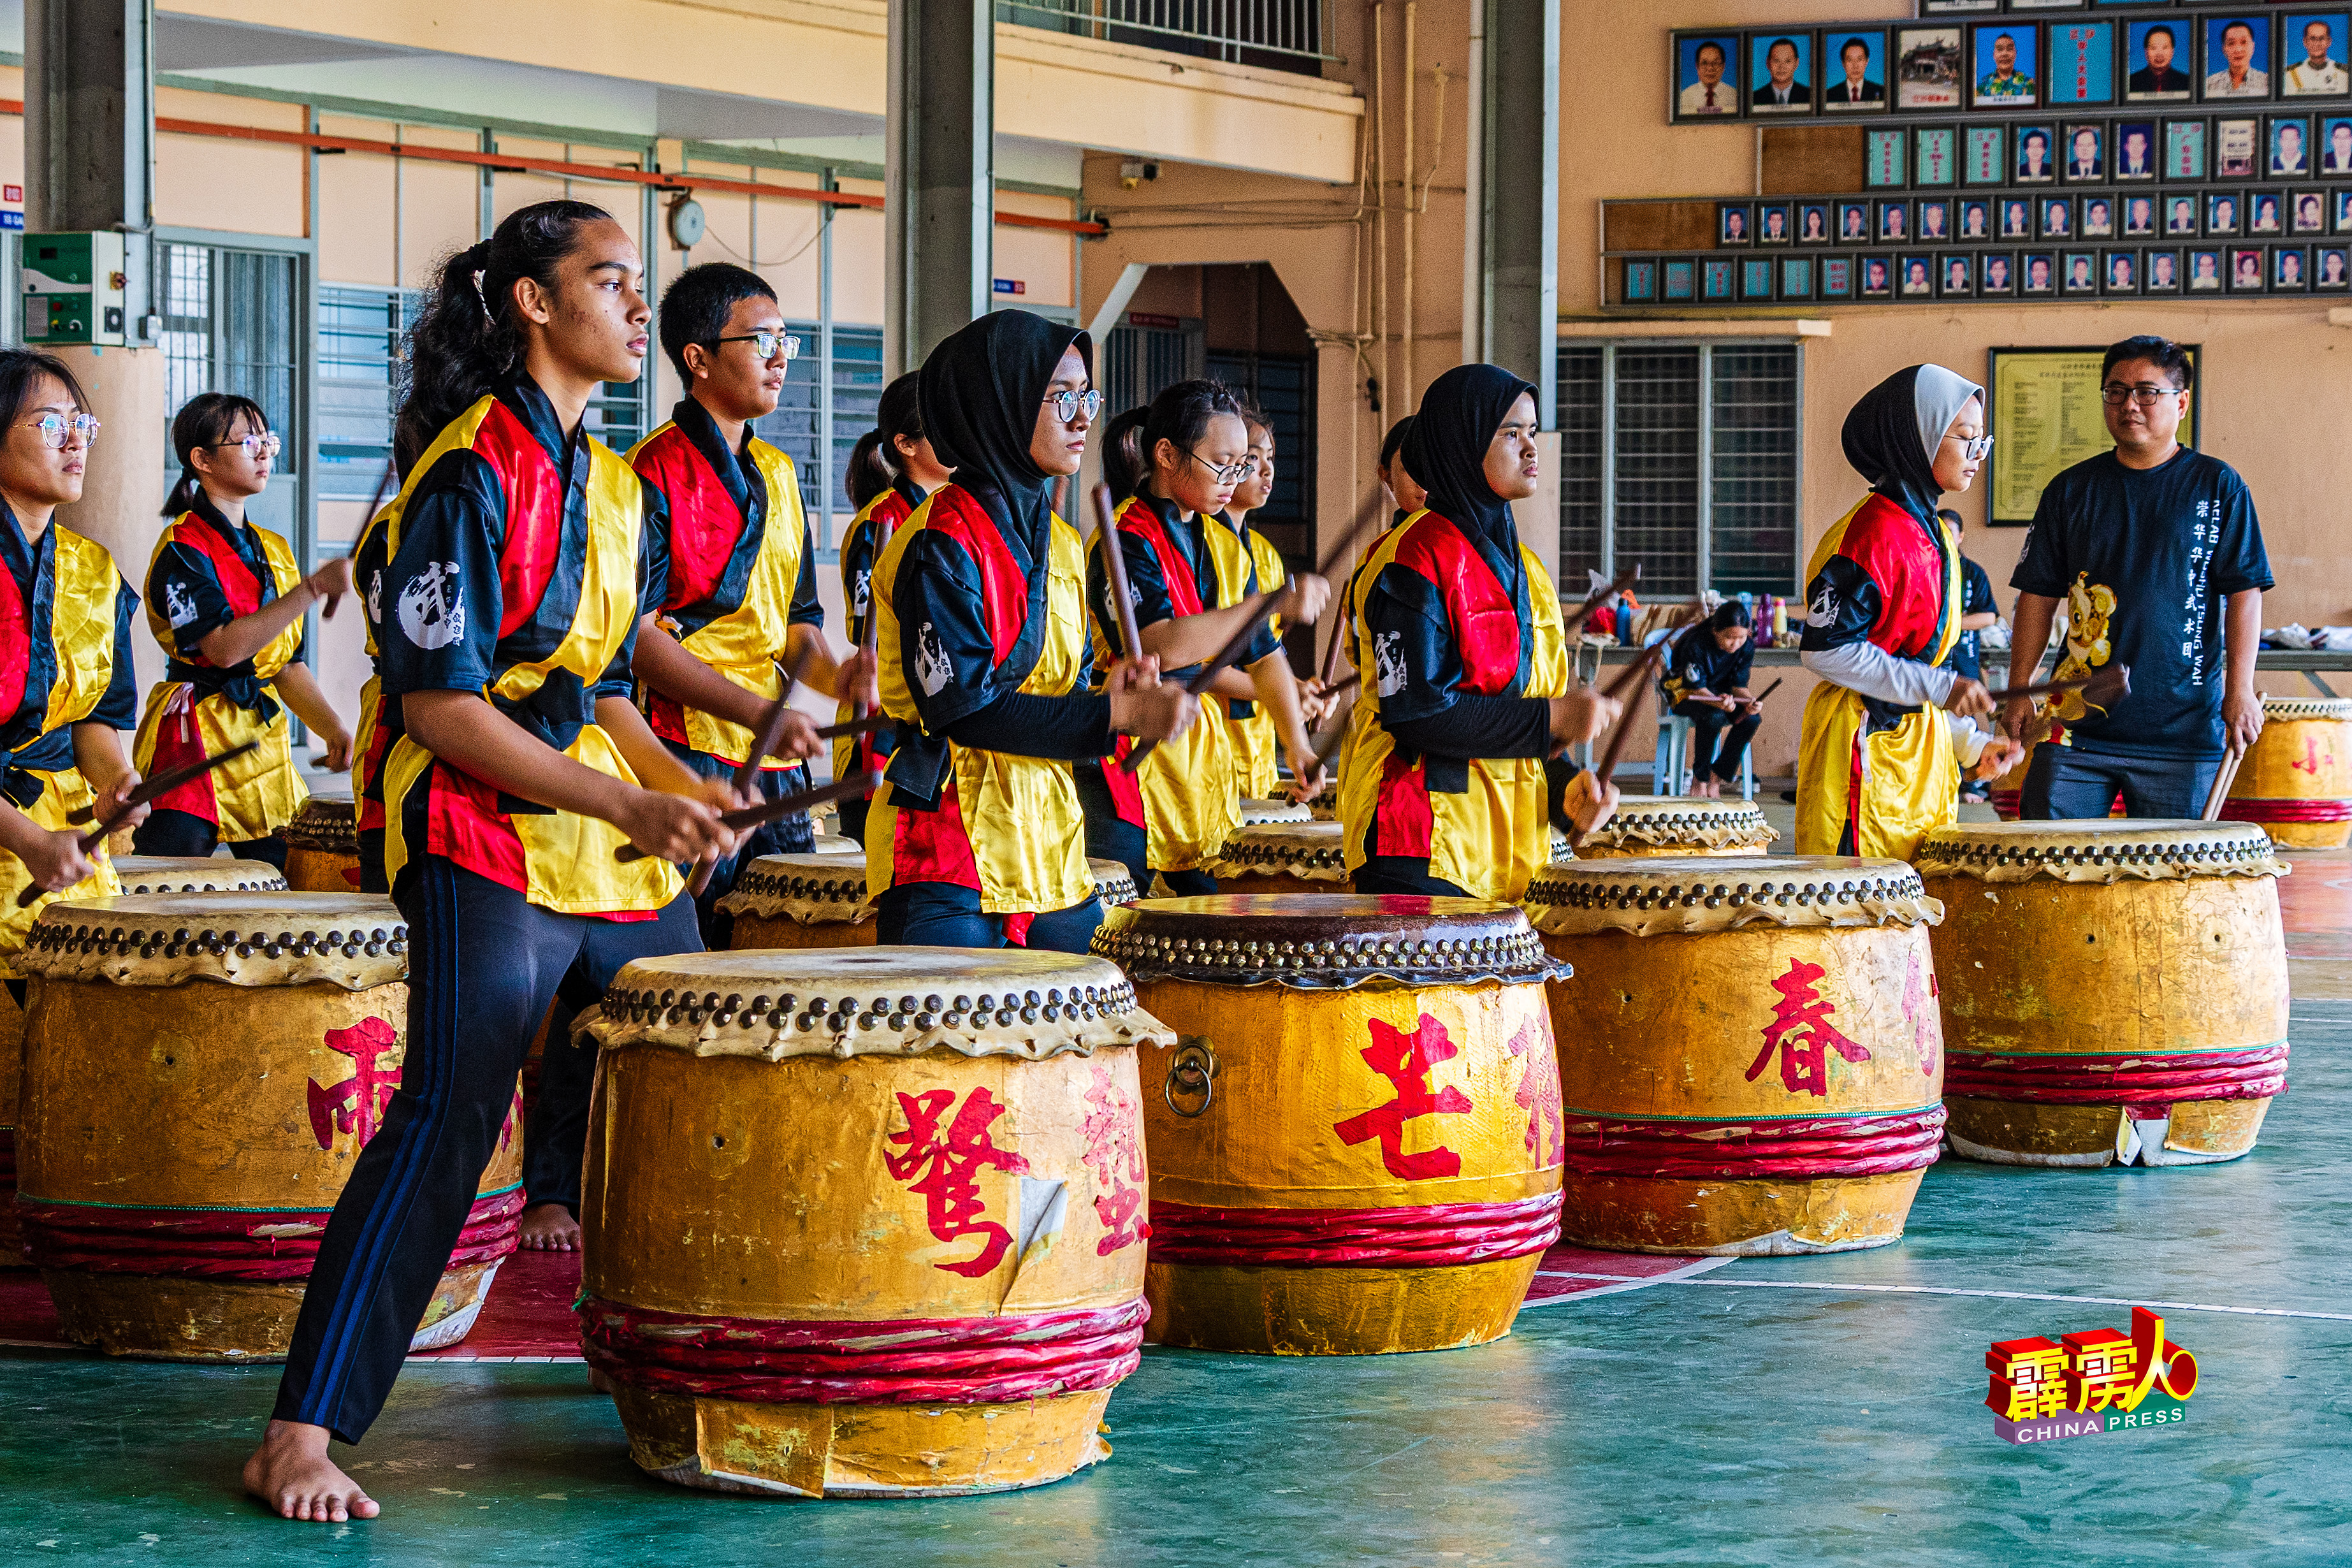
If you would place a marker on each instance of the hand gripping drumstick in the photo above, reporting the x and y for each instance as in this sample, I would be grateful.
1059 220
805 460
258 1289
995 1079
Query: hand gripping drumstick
151 789
2101 688
768 811
1226 659
2223 777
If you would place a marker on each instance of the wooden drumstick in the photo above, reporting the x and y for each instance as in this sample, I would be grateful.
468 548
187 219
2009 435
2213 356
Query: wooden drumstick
1226 657
2101 688
768 811
148 790
1115 568
2223 777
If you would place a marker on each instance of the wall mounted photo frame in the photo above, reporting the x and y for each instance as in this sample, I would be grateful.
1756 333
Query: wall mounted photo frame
2246 271
1996 275
1837 278
1756 280
2156 59
2234 53
2042 409
1853 71
2136 216
2307 212
1678 280
1641 282
1955 275
1877 278
2016 216
2341 219
2038 274
2135 157
2078 272
1973 224
1854 223
2004 61
2119 272
1735 224
1775 223
2331 269
2237 148
1926 68
1716 280
1934 223
2184 149
2036 161
2098 218
2180 216
1893 222
1886 159
1916 277
2264 214
2083 148
2204 272
2336 145
1813 223
1797 277
1956 7
2162 271
2223 216
2290 269
2082 63
2056 218
1780 73
1982 161
1707 76
2311 55
1934 157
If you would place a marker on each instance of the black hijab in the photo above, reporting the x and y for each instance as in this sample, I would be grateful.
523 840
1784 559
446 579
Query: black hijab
1891 435
1445 452
979 391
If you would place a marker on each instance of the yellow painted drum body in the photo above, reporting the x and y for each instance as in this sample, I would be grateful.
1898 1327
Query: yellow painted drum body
1648 824
2114 990
800 900
1750 1056
1283 858
1356 1143
200 1072
2296 781
865 1223
323 846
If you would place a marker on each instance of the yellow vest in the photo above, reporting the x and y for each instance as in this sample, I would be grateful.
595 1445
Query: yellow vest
1256 749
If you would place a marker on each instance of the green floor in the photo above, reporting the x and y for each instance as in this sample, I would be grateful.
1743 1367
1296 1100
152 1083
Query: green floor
1731 1419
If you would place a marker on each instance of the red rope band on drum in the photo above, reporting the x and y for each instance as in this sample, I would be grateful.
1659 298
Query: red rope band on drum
257 1245
2151 1082
1432 1235
1734 1150
2286 811
903 1360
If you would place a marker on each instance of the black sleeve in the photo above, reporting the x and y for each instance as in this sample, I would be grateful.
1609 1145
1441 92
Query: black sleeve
1473 726
1416 667
857 574
807 609
1558 773
1022 724
1742 667
2240 561
2041 565
119 708
1841 605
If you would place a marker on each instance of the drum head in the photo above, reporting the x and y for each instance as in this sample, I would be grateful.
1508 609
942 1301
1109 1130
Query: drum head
1679 893
351 940
1114 883
814 889
195 874
2101 849
1257 811
1642 819
2335 708
1324 940
1313 851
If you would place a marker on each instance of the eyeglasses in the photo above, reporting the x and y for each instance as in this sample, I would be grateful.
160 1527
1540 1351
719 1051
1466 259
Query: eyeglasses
265 444
766 345
1230 473
54 429
1066 405
2114 392
1972 447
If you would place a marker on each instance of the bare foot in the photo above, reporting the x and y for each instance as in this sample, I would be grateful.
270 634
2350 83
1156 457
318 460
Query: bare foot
548 1227
290 1472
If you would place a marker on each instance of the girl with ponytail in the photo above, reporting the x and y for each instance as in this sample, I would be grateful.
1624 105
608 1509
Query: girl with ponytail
509 577
1189 575
226 600
891 471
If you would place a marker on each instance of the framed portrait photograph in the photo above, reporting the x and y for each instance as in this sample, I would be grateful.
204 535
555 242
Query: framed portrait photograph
1716 280
2331 268
2184 149
1886 160
2223 216
1917 278
1735 224
1781 73
1678 280
2135 155
1707 76
2290 269
2084 149
1934 223
1813 223
2237 149
1982 159
2340 212
2016 218
1877 278
1997 274
2037 273
2078 272
2204 272
2098 218
2307 212
1926 68
2334 147
1854 72
2002 65
1975 221
1641 282
1837 278
2037 155
2162 270
2047 4
2180 216
1934 155
2081 66
1955 275
2119 272
2289 146
2057 217
2263 214
1756 280
2246 271
2138 211
2156 61
1894 220
2311 55
1774 224
1854 223
2236 54
1796 278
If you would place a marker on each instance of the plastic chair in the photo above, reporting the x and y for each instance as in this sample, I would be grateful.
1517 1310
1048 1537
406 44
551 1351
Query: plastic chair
1671 762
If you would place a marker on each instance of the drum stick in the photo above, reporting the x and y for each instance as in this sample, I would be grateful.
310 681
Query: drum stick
2223 777
770 736
1226 657
1130 641
1331 563
155 788
871 722
768 811
2100 689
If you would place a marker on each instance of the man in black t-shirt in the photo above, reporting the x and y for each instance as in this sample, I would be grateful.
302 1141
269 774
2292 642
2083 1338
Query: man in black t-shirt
2156 550
1977 611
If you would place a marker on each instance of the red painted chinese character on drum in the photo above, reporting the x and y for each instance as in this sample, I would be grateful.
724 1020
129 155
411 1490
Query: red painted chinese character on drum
355 1105
1405 1061
1540 1096
1115 1154
1801 1031
951 1185
1921 1012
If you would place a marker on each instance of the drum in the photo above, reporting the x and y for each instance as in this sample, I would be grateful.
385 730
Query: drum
835 844
173 874
1114 883
2114 990
200 1072
865 1223
1283 858
1750 1058
323 846
1355 1147
1254 812
2296 780
1648 825
801 901
1325 806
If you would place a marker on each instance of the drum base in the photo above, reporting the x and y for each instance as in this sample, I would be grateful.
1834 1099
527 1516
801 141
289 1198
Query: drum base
757 932
860 1450
151 1317
2007 1132
1260 1311
318 871
1737 1219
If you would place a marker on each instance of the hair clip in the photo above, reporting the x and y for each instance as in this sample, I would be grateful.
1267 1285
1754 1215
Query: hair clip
484 299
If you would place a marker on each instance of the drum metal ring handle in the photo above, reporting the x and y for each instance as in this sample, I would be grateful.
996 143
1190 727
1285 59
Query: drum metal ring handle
1193 1072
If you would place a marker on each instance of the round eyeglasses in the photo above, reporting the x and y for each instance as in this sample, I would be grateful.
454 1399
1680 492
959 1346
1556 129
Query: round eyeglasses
766 345
1230 473
1066 405
2113 393
56 430
263 445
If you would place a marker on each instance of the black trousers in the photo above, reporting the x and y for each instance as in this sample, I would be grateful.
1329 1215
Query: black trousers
945 914
185 835
483 966
1706 725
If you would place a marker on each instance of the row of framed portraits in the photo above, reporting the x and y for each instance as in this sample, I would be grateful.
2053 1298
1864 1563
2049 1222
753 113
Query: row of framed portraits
2003 276
2246 56
2123 151
2021 216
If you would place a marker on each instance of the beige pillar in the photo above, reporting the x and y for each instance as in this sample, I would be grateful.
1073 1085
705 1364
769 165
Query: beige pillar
123 483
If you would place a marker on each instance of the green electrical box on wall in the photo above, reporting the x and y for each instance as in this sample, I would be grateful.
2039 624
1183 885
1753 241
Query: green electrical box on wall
73 287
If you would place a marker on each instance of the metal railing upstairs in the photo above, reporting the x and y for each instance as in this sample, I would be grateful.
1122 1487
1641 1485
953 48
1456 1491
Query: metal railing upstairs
1279 35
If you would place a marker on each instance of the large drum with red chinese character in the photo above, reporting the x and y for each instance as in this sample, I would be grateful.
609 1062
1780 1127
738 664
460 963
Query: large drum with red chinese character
1750 1057
323 846
2113 990
1355 1142
200 1072
866 1223
2296 780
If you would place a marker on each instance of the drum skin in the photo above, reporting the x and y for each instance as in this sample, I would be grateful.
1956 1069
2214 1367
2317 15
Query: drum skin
2043 976
1649 825
1292 1135
747 1196
1283 857
800 901
322 846
2296 780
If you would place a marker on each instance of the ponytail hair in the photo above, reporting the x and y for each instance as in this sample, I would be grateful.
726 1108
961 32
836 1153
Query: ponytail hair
874 465
205 421
467 334
1122 453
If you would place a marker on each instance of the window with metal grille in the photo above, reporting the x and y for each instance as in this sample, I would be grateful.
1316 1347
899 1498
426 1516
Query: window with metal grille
1683 456
363 376
235 320
1283 390
797 426
1140 362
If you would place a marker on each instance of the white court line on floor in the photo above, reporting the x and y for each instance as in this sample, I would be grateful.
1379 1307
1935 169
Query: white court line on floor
1679 1277
1696 1266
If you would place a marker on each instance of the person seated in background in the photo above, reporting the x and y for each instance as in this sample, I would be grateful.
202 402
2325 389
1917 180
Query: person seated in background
1706 683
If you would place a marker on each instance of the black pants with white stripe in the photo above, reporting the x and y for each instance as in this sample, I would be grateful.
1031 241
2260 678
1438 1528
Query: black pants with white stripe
483 964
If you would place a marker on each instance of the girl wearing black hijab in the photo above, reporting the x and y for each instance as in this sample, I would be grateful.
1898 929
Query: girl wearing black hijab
1444 789
976 838
1878 766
